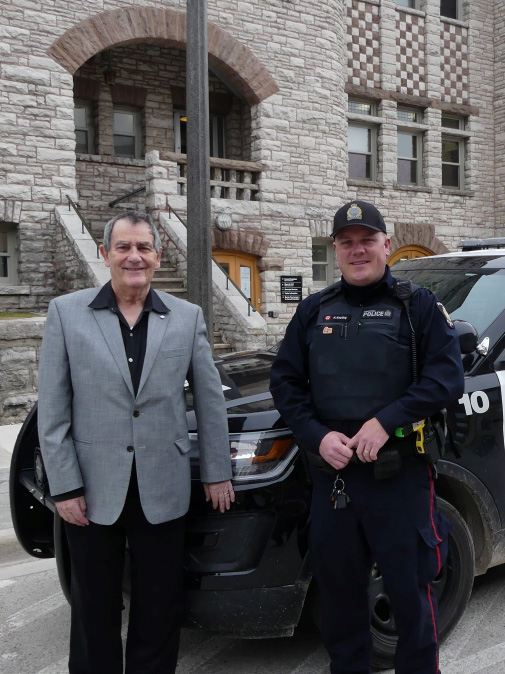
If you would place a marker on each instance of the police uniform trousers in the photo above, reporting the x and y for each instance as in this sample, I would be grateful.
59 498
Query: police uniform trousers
395 523
97 554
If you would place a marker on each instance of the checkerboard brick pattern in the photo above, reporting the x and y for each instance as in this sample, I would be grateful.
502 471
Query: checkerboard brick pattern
363 44
454 60
410 61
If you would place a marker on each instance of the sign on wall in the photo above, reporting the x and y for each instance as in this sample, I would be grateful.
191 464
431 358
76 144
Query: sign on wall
291 288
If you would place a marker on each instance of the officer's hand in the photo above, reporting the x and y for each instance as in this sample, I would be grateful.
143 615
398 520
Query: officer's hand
368 440
220 493
73 511
335 450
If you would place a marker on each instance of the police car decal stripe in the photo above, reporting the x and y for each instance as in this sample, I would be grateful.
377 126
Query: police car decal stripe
501 378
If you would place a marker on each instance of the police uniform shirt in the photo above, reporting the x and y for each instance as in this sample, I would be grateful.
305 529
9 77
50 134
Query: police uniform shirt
439 358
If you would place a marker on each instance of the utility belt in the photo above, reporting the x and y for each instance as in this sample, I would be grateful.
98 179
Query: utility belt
425 439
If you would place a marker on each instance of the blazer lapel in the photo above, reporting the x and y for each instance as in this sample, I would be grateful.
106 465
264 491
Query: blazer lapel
157 327
109 325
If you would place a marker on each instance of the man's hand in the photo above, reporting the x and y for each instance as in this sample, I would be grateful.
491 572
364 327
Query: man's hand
221 494
368 440
73 511
334 449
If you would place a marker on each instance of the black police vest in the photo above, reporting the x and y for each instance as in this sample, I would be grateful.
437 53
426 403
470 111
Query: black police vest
357 363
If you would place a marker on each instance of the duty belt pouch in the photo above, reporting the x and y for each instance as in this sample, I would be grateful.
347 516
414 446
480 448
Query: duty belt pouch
434 437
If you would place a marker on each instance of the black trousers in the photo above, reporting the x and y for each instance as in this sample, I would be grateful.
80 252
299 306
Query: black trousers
97 556
395 523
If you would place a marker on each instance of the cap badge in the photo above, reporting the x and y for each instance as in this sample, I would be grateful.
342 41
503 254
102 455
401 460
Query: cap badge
354 212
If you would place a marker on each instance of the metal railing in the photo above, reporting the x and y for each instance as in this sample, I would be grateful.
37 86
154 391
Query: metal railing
84 224
250 306
112 203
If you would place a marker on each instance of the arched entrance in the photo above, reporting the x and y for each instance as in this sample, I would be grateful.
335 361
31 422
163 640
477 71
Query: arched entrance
242 268
408 253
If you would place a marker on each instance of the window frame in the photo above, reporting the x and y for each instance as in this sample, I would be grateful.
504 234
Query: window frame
373 149
461 160
329 263
11 254
459 11
137 131
418 135
89 127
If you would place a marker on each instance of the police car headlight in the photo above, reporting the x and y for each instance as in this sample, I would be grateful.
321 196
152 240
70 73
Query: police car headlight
262 455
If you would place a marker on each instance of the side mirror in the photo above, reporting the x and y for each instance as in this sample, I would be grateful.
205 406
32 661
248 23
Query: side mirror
467 335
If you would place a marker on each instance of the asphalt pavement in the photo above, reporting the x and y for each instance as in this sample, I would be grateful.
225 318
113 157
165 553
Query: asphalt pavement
34 619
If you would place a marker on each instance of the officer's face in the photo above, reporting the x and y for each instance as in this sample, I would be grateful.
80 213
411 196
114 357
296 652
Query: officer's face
361 254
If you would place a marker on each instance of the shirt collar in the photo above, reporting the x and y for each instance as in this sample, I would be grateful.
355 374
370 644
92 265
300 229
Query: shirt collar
106 299
369 292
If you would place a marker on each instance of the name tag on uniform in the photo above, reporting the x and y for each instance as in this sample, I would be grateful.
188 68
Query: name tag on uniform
337 318
377 313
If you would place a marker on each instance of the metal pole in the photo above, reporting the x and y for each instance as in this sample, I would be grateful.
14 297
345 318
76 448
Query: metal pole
198 185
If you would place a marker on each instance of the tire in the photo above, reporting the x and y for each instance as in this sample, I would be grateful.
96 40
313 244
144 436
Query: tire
452 586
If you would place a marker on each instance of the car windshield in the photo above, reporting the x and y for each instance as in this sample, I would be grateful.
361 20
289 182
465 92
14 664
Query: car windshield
476 295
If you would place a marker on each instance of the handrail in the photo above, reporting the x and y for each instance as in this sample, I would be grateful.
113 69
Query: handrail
111 204
229 280
84 224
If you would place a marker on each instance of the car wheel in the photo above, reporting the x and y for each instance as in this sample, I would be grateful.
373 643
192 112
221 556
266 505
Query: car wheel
452 586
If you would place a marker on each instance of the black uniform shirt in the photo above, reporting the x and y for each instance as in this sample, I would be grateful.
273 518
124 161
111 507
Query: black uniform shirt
439 360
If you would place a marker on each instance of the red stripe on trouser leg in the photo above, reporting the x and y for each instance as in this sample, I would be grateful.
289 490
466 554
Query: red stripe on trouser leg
435 630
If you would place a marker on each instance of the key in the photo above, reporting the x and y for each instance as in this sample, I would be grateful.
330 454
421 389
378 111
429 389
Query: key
341 500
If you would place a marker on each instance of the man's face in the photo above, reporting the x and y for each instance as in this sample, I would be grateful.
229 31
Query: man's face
361 254
131 258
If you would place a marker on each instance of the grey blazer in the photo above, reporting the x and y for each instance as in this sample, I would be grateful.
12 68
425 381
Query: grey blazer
87 404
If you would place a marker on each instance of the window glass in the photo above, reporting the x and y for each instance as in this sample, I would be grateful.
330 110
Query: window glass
360 139
81 141
3 242
361 107
408 115
452 122
462 293
449 8
124 122
450 151
124 146
8 256
80 120
407 158
406 3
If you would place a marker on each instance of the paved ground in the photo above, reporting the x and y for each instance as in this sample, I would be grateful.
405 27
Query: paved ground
34 619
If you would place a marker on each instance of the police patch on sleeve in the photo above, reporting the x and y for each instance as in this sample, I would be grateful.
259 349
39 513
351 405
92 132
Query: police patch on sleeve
445 314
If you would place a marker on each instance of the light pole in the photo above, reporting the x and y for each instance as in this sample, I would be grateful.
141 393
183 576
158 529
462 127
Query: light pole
198 167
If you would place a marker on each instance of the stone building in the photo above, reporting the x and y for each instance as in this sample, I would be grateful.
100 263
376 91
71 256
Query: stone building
312 104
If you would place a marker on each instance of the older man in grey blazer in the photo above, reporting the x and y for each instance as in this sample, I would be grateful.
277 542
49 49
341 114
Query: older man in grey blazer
112 428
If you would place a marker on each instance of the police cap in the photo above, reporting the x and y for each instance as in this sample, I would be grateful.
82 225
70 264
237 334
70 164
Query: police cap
358 213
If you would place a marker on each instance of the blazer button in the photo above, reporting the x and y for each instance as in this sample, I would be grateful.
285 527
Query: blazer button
136 413
129 448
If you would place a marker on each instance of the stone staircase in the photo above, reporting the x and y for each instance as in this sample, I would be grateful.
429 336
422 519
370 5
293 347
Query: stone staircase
165 278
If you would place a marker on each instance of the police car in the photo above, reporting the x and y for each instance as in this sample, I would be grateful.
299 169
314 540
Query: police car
247 572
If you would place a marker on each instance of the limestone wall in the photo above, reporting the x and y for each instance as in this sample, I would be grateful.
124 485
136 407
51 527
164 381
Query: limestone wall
20 342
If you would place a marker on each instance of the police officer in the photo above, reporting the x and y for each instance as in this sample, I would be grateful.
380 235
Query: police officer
352 387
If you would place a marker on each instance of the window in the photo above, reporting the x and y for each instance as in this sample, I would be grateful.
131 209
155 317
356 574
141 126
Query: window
8 254
83 122
450 9
407 3
361 107
453 152
216 134
361 151
409 151
127 132
409 115
322 262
